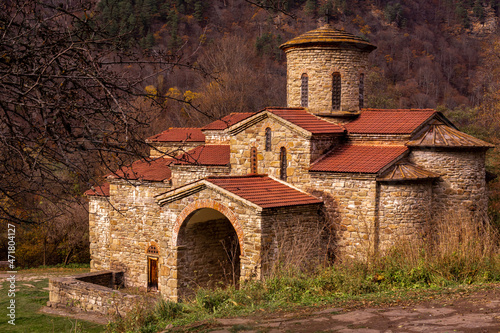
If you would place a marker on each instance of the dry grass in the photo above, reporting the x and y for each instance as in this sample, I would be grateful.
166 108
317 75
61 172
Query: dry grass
458 248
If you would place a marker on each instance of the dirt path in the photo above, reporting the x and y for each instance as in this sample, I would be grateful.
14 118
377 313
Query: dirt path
468 311
474 312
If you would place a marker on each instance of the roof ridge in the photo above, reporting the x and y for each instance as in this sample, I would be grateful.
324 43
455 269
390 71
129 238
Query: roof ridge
398 110
254 175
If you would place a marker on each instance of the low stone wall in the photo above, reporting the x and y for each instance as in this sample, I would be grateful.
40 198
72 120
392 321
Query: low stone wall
92 292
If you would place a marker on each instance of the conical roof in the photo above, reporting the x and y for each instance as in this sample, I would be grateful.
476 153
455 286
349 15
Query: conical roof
326 35
406 171
443 136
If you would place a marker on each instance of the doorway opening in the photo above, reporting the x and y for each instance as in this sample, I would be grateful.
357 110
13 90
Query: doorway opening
208 252
152 268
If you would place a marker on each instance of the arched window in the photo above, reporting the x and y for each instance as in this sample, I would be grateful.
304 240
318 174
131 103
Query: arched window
268 139
283 163
336 90
152 250
361 90
304 91
253 160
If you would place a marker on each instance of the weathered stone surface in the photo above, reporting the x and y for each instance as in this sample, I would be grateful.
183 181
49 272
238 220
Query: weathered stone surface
91 292
318 63
210 236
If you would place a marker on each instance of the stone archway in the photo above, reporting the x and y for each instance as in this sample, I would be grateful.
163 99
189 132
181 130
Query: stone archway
207 203
208 248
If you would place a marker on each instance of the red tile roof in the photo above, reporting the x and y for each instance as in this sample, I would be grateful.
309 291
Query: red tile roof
405 171
228 121
151 170
179 134
307 121
397 121
358 158
206 155
326 35
264 191
443 136
100 190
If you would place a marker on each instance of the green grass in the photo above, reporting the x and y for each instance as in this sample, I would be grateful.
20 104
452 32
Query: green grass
389 280
29 300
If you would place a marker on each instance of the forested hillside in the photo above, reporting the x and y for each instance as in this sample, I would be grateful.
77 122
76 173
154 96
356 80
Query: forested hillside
430 53
439 54
217 57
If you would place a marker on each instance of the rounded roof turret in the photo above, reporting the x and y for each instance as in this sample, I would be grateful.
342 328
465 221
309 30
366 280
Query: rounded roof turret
326 35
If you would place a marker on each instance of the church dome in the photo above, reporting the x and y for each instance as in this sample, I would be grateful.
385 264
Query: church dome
326 35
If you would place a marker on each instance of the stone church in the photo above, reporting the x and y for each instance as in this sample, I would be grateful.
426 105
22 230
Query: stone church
321 178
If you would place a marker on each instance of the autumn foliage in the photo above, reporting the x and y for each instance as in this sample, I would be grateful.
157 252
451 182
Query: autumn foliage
187 62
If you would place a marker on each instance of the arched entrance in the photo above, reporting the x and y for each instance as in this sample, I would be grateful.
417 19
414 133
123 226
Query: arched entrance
208 252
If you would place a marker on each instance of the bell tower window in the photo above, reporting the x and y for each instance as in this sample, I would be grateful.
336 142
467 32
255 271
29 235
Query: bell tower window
304 91
268 139
283 163
336 90
361 90
253 160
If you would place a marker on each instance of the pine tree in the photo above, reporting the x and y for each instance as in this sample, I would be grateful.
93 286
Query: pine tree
310 7
479 11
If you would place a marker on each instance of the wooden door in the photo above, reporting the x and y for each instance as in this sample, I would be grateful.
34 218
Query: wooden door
152 274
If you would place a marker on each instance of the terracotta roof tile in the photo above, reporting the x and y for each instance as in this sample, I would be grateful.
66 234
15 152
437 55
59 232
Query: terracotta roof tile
397 121
206 155
150 170
307 121
443 136
329 36
179 134
264 191
404 171
228 121
358 158
100 190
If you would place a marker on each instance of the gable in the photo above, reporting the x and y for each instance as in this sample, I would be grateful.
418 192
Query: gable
296 119
259 191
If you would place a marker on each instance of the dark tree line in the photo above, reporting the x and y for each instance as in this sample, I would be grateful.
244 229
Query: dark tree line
65 110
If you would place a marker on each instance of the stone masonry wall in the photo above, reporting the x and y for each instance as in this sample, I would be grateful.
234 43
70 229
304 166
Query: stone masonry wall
462 185
135 224
185 174
99 232
351 199
216 137
294 236
320 145
404 212
378 139
73 292
319 63
297 146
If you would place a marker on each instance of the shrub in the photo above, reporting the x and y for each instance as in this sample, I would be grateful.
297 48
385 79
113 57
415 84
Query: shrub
167 310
